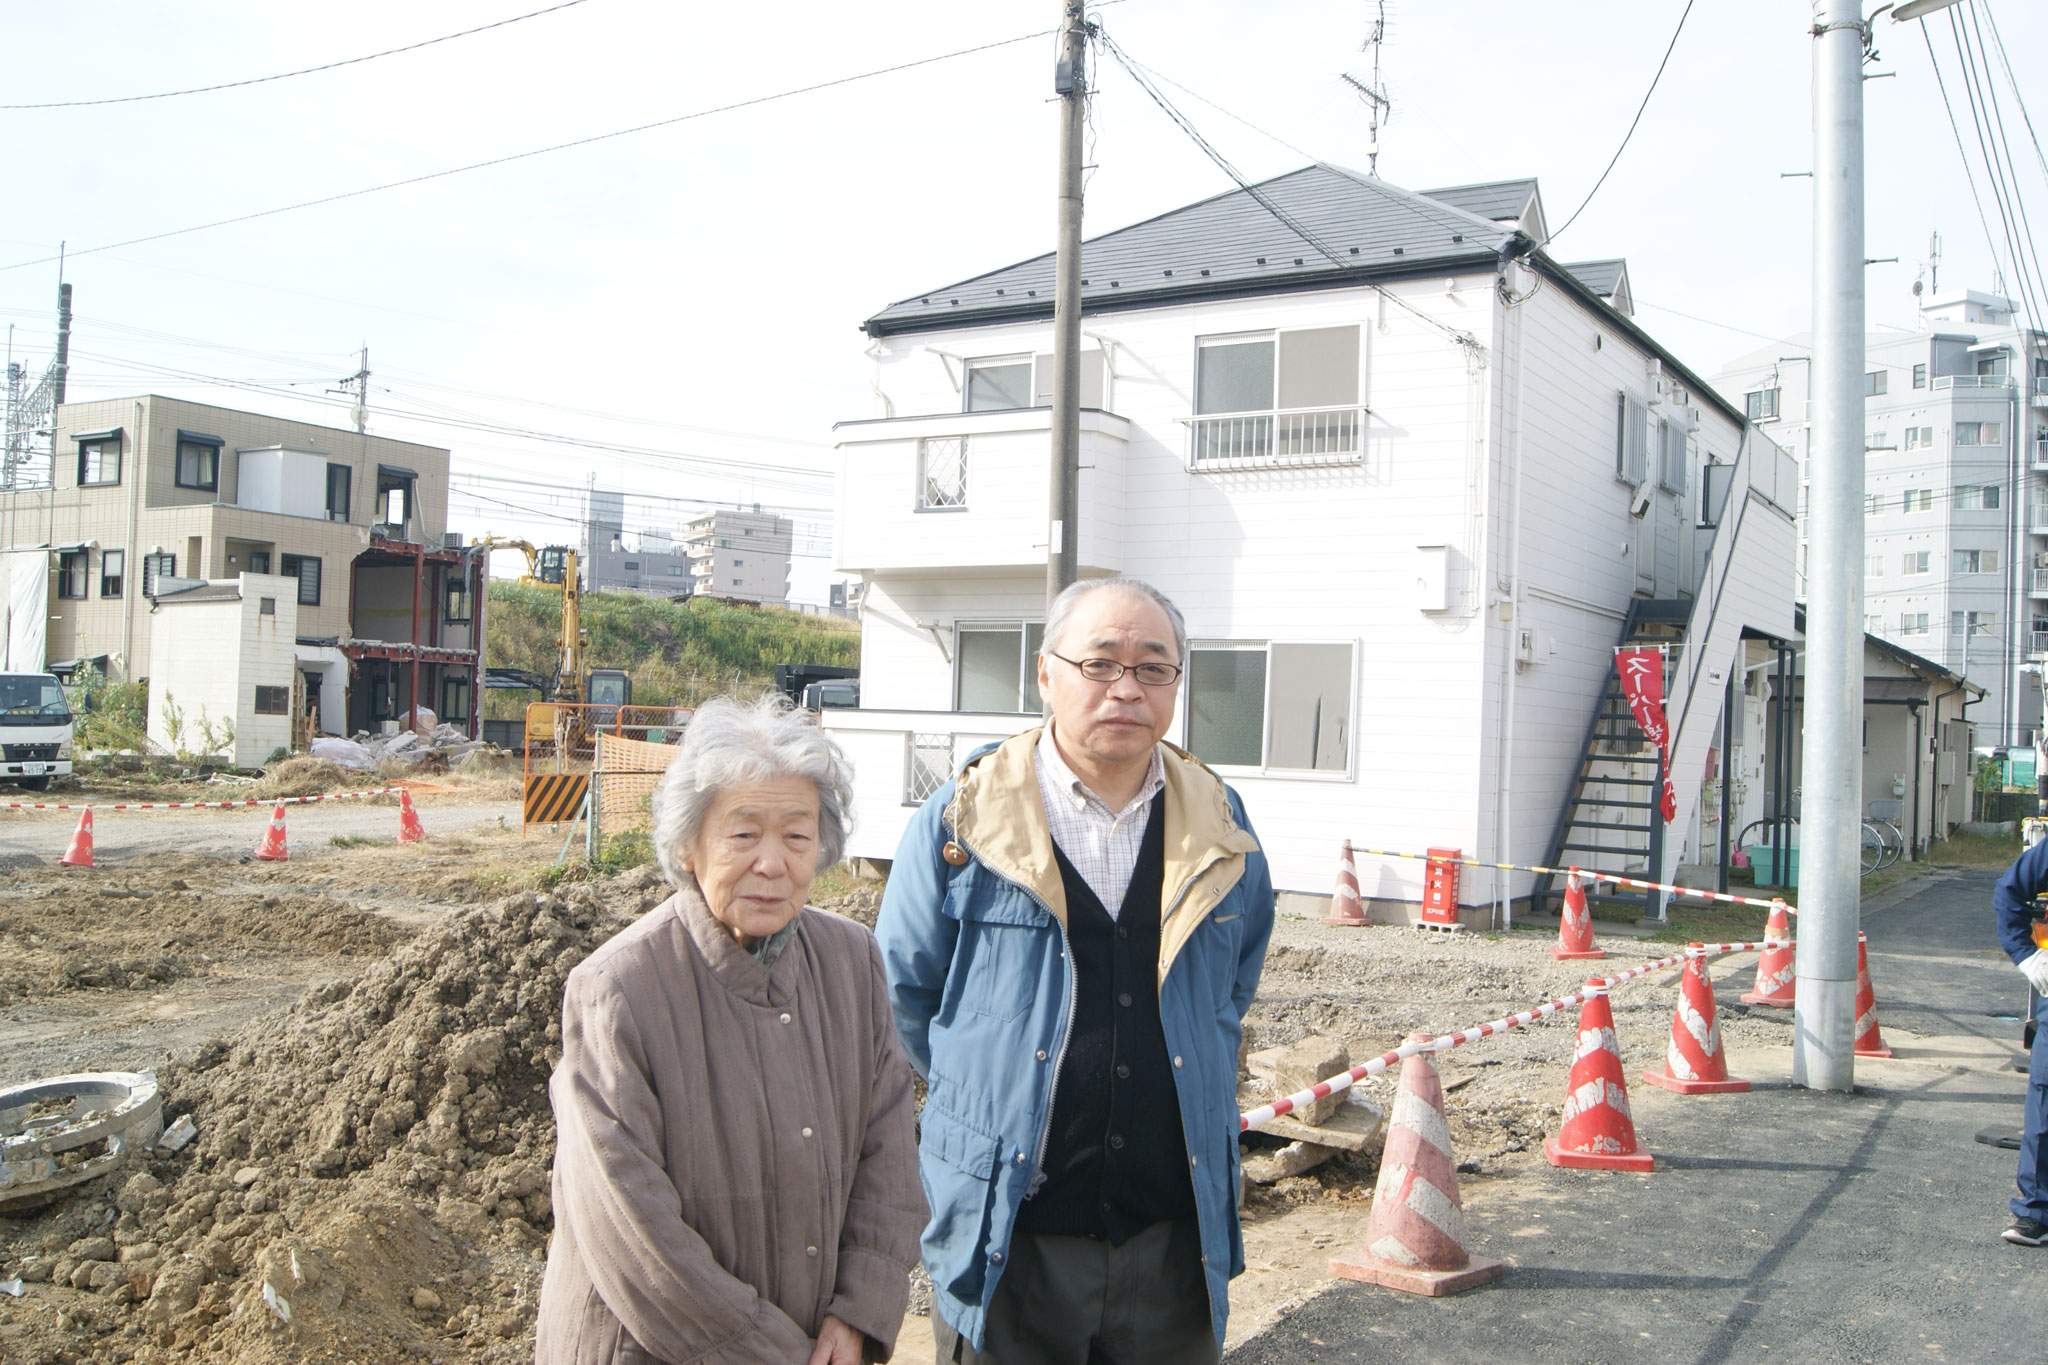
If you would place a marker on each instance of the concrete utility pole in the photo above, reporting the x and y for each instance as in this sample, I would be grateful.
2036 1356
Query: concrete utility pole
1823 1028
1070 82
60 373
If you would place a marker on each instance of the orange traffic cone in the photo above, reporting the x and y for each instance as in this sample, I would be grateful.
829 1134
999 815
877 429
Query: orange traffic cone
409 831
1415 1239
1775 976
1575 923
80 852
1694 1065
270 849
1345 906
1869 1041
1597 1132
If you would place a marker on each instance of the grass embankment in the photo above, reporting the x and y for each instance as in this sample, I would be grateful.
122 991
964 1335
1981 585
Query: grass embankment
678 654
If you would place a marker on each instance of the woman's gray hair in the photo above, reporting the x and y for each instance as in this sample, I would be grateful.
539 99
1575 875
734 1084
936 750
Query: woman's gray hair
1063 607
729 744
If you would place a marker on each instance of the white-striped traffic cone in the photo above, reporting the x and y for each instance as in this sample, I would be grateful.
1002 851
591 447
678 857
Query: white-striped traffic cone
1345 906
270 849
1415 1238
1575 923
1776 972
1694 1064
1597 1132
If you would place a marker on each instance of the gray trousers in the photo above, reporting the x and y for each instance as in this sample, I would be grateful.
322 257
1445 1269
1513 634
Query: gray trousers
1077 1301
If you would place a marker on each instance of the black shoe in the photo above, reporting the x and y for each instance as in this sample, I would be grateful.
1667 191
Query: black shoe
2025 1232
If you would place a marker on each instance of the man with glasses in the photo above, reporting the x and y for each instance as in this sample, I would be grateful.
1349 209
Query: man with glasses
1073 930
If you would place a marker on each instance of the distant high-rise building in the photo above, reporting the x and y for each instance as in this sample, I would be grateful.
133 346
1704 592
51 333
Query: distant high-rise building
646 562
741 554
1955 553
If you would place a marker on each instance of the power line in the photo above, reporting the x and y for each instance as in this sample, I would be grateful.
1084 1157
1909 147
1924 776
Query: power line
1668 50
540 151
303 71
1999 41
2023 230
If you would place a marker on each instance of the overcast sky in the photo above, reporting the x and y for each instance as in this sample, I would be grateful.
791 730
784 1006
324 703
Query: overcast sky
693 292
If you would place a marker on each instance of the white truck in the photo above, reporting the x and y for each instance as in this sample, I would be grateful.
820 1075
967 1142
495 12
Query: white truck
35 730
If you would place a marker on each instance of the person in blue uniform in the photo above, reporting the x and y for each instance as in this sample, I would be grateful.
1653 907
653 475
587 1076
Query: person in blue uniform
2017 912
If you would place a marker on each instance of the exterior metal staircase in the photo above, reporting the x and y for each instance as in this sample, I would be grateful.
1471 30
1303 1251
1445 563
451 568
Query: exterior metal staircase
1609 818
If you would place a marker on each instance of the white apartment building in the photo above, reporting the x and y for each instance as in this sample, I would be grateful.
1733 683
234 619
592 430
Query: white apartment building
743 555
1956 491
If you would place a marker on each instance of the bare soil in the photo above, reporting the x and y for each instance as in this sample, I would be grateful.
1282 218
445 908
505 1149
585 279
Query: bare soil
363 1036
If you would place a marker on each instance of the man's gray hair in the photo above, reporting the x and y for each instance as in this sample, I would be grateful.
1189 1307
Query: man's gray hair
727 745
1063 607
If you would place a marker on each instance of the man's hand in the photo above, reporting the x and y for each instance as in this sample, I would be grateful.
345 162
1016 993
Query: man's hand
2035 965
839 1344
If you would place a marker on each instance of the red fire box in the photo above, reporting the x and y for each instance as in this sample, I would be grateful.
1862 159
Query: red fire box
1440 887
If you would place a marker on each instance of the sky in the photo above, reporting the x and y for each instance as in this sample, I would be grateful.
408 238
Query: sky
675 311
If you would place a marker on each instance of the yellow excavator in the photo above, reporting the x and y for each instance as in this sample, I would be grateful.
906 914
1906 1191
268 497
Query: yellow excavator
554 566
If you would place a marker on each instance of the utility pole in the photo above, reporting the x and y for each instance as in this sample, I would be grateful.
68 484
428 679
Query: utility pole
359 385
61 372
1824 1017
1070 83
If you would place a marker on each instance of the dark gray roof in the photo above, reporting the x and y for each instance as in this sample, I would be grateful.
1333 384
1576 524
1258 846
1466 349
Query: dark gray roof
1602 277
1228 246
1497 200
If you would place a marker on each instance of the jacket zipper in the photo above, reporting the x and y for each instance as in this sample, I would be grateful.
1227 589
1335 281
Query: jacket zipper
1066 1027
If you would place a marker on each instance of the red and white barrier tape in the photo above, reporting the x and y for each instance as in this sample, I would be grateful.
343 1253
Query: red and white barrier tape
201 805
1444 1042
1588 874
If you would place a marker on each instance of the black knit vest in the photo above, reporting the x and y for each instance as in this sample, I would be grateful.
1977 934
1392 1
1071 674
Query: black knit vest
1116 1160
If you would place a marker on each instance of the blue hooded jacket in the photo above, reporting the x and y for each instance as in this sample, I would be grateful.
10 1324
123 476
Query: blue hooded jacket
973 937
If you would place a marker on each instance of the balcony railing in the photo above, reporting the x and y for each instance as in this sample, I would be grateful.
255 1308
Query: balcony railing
1265 440
1973 381
2037 644
2041 452
2040 583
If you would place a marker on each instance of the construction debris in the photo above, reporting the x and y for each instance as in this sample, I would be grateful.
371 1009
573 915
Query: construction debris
366 751
47 1126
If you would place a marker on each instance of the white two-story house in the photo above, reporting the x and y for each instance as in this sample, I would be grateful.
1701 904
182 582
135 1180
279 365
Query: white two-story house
1410 480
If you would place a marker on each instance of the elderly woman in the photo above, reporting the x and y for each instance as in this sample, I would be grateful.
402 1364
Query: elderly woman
735 1169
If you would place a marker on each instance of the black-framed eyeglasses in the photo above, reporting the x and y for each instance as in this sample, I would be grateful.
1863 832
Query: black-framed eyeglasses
1150 673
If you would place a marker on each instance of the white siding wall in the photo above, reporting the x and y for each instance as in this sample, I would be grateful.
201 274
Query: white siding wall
211 656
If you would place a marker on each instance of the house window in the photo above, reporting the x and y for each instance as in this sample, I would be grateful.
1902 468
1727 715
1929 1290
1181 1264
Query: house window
455 700
1877 441
71 573
942 472
1671 458
995 666
997 383
340 479
1919 438
1973 623
1913 623
155 569
1631 440
675 570
1873 566
1919 376
633 566
1976 497
112 564
198 464
259 561
1974 561
305 568
1980 433
1873 625
928 765
394 495
460 607
1914 561
1289 395
1917 500
1876 382
1278 706
1991 365
266 606
1873 503
99 461
1761 404
273 701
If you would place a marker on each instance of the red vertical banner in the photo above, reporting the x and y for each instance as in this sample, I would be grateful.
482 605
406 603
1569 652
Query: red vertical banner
1642 686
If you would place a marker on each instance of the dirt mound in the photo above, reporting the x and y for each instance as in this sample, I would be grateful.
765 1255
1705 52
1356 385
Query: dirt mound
860 905
375 1159
304 775
139 928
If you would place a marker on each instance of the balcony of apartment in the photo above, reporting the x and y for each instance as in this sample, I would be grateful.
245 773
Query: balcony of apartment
1972 381
2037 580
1291 438
2037 642
2039 458
969 490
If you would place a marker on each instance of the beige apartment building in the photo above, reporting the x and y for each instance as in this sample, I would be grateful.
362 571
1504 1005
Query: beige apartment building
741 555
153 495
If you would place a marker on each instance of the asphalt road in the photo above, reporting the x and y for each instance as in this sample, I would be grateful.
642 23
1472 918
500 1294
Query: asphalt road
1780 1224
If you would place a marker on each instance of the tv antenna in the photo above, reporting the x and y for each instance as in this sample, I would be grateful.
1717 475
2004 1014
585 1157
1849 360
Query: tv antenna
1375 94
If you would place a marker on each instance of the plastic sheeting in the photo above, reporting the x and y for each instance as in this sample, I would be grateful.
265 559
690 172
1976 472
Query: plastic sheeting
25 574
